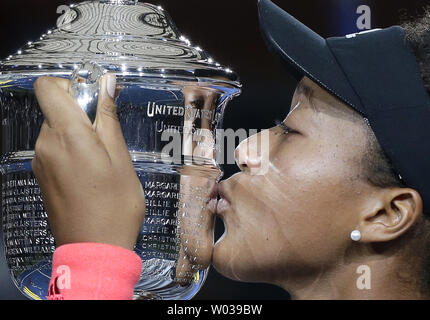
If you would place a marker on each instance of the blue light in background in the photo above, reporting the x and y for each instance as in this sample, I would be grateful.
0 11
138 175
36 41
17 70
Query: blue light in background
345 16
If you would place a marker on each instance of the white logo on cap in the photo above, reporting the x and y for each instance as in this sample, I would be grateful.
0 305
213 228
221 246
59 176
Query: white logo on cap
353 35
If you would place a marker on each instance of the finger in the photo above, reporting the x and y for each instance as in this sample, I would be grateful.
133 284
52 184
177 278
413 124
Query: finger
58 106
39 152
65 84
107 124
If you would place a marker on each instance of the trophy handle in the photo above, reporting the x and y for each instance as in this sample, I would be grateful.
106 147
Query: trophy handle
85 87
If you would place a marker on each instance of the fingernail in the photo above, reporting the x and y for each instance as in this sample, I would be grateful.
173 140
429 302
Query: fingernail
111 85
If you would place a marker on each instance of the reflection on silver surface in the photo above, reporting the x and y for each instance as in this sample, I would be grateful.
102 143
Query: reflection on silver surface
125 37
165 87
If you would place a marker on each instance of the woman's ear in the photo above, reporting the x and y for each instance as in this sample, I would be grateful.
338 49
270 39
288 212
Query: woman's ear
393 213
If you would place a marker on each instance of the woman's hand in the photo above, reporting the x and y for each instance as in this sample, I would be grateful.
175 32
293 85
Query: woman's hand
89 186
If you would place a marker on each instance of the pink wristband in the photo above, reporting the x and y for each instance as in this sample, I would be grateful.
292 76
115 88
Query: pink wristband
93 271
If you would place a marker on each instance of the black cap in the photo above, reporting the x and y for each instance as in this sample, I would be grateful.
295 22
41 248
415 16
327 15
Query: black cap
376 73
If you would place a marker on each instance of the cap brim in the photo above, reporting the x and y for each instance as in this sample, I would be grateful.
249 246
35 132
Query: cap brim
304 52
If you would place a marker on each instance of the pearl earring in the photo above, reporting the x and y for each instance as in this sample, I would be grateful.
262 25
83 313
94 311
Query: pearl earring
356 235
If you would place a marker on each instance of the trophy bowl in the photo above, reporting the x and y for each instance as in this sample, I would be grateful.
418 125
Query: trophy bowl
171 97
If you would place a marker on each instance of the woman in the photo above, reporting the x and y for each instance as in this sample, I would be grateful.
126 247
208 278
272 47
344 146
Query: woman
338 211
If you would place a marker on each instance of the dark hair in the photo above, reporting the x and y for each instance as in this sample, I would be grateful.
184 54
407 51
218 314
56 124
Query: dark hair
418 36
378 169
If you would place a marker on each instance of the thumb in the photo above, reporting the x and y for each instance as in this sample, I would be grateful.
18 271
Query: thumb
107 124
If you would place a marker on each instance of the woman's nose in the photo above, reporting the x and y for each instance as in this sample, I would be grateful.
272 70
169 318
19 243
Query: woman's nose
248 155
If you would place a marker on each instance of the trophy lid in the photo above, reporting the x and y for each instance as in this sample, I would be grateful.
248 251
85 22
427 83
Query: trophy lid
122 36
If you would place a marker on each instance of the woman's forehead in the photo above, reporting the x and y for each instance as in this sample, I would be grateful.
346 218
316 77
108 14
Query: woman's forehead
334 126
309 95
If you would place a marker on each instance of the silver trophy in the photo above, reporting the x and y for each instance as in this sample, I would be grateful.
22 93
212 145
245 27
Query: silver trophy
171 98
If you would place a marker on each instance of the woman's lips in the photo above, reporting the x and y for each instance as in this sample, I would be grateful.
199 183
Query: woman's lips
221 205
212 204
224 202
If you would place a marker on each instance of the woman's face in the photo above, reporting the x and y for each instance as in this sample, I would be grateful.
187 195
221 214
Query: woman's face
294 218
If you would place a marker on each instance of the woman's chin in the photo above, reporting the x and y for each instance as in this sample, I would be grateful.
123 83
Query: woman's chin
226 260
221 259
233 261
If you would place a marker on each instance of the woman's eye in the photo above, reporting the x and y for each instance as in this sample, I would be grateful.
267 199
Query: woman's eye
284 127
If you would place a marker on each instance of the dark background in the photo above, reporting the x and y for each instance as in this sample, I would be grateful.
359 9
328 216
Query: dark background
228 30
